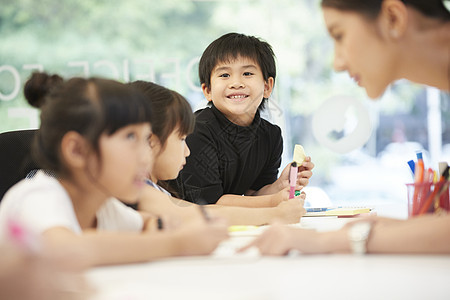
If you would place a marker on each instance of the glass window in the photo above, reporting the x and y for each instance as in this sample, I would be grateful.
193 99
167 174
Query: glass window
162 41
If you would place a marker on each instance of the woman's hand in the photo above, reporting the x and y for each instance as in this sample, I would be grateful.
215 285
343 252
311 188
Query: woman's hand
276 240
281 239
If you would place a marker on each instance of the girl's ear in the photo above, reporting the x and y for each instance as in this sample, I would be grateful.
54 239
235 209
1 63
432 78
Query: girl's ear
207 92
394 18
74 150
268 87
155 143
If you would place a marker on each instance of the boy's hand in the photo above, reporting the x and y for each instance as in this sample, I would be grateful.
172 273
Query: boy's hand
305 172
303 175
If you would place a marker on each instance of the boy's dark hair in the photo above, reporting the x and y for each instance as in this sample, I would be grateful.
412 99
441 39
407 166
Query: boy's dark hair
89 107
371 8
170 109
231 46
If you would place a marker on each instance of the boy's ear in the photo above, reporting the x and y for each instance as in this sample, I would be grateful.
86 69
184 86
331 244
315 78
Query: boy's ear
268 87
207 92
74 149
394 16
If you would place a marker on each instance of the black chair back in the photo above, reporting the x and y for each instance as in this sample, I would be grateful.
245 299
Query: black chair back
15 157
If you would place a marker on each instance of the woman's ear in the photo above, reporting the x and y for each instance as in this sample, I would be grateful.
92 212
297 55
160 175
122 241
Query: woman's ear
394 18
207 92
74 150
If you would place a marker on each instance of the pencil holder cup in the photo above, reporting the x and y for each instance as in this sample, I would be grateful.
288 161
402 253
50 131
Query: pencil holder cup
427 197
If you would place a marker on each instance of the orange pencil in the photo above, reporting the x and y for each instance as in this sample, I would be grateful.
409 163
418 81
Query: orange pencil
437 192
419 170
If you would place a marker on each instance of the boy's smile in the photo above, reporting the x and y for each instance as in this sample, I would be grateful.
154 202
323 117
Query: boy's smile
237 97
237 89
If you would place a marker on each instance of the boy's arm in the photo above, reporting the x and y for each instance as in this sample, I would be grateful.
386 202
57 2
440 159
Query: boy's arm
254 201
266 183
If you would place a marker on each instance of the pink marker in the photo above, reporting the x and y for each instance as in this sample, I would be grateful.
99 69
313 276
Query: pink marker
292 179
22 237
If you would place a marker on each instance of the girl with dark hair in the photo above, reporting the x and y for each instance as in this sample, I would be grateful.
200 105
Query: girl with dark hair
94 141
378 42
172 122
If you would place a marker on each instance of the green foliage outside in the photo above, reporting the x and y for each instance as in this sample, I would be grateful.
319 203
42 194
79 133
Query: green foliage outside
161 40
125 33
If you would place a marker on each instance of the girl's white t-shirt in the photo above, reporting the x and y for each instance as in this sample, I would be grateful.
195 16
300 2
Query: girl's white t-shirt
41 203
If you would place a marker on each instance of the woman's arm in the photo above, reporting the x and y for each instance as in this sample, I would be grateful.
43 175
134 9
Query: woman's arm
428 234
424 234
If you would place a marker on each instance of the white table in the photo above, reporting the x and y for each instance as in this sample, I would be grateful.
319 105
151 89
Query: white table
278 278
305 277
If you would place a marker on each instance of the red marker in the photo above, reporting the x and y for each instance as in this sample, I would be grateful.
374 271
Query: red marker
438 189
293 179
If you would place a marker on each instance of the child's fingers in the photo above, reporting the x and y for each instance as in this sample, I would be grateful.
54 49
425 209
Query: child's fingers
269 242
153 224
303 182
307 164
245 248
257 243
301 197
304 174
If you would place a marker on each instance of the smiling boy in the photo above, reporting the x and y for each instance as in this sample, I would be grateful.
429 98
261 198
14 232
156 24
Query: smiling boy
234 152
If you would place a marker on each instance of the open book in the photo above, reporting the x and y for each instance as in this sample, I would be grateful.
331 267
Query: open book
337 211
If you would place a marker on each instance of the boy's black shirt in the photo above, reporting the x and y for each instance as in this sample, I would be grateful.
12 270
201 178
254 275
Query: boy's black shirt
227 158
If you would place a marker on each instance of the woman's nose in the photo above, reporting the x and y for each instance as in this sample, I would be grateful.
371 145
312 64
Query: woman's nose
339 62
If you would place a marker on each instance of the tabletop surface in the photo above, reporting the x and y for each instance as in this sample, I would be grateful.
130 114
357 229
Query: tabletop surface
227 275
